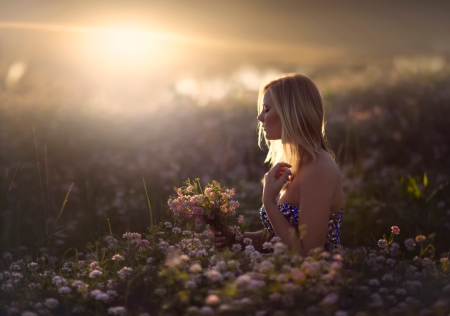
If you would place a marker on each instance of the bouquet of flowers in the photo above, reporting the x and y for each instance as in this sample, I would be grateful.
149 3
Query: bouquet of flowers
212 206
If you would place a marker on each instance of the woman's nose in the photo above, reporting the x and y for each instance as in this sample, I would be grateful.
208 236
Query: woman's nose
260 117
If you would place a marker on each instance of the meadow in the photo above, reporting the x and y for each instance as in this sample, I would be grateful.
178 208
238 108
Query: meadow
85 227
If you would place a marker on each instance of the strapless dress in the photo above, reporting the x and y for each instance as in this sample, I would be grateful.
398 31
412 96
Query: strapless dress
291 213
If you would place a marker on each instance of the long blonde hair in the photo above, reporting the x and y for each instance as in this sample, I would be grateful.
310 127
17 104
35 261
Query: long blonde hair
300 108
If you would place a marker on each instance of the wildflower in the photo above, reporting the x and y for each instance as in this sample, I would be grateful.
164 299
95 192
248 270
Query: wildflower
144 243
168 224
282 278
133 237
248 241
427 262
382 243
297 274
94 265
279 248
95 273
195 268
337 257
100 296
395 230
64 289
274 297
212 299
117 257
124 273
376 300
243 280
32 266
214 275
400 291
267 245
77 283
387 277
265 266
374 282
236 247
390 262
420 238
7 256
410 244
330 299
394 250
275 239
59 281
241 219
206 310
51 303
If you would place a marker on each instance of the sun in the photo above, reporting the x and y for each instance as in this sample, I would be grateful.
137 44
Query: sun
128 43
119 48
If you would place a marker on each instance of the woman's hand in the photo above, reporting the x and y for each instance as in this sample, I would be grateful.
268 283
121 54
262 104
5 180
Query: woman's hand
274 181
219 240
223 239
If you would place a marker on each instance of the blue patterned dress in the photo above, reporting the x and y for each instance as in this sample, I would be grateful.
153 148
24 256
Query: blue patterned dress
290 212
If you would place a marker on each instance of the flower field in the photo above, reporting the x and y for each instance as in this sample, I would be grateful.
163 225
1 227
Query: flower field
86 228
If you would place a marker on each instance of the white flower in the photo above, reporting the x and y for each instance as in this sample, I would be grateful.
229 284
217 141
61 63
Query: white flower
51 303
118 310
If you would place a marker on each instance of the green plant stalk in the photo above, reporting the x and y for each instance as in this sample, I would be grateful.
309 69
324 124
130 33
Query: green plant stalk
148 202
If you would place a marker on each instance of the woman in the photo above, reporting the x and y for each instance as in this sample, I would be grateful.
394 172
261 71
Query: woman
302 195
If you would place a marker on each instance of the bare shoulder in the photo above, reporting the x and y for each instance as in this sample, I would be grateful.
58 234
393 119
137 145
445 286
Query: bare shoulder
324 169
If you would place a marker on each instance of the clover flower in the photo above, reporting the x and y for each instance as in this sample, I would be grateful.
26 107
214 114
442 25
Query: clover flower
410 244
117 257
131 236
94 265
382 243
125 272
214 275
100 296
64 290
95 274
236 247
51 303
330 299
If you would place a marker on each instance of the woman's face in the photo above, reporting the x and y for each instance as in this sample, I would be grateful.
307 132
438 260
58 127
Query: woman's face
269 118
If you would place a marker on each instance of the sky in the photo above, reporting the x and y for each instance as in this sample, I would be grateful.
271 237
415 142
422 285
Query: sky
130 46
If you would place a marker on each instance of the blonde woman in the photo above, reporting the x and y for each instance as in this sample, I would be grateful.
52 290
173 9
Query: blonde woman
302 195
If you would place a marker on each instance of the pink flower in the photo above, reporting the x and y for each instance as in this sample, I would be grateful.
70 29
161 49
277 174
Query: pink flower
212 299
395 230
117 257
144 243
330 299
131 236
241 219
125 273
95 273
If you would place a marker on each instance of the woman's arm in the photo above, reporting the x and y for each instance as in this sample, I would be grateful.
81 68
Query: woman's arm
318 185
